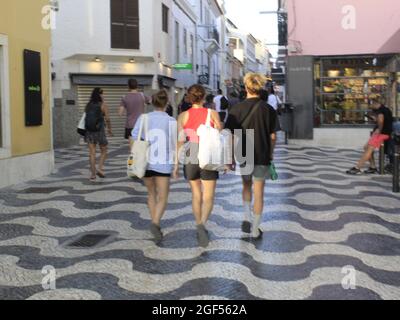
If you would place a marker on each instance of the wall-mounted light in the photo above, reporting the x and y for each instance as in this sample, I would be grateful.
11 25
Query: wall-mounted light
97 59
132 60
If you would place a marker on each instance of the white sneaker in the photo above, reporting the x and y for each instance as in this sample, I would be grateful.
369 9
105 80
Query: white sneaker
256 234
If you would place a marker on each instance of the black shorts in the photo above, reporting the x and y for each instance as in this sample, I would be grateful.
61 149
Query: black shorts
128 133
151 174
194 172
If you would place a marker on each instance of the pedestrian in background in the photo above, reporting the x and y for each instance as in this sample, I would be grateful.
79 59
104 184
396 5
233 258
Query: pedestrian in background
382 132
96 121
221 105
233 99
133 106
209 104
185 104
161 162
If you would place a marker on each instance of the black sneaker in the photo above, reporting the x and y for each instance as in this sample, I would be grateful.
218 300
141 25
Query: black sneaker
156 232
354 171
246 227
371 171
202 236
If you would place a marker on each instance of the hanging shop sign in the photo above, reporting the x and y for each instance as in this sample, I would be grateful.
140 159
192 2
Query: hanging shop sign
183 66
33 88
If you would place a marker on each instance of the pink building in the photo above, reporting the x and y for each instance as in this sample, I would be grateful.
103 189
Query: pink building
342 55
344 27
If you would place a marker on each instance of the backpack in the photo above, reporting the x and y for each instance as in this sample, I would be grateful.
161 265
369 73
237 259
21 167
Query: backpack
224 103
94 117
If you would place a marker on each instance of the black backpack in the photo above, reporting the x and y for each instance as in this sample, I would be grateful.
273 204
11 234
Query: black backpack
224 103
94 117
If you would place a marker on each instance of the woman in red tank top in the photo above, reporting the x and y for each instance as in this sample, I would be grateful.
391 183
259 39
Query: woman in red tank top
202 182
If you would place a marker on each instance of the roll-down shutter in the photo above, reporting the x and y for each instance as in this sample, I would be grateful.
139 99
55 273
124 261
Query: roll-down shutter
112 97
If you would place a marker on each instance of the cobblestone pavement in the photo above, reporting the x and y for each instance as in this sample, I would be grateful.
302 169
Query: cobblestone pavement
318 221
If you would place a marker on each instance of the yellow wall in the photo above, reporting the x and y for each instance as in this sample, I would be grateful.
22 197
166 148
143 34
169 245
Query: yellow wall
21 21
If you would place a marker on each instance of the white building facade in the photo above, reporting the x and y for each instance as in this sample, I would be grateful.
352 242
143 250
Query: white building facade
104 43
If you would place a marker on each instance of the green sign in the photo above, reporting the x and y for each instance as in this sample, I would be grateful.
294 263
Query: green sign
183 66
34 88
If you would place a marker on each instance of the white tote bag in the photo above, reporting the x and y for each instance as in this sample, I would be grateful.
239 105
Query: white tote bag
138 159
214 147
81 125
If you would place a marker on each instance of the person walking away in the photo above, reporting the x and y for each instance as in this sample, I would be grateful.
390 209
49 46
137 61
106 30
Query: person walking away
233 99
162 134
185 104
274 101
382 132
209 104
133 106
202 182
96 121
221 105
254 114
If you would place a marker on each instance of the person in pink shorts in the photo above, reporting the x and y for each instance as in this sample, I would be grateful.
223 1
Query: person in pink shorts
381 133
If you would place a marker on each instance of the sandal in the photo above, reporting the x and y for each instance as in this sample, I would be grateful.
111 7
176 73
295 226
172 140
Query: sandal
92 179
101 175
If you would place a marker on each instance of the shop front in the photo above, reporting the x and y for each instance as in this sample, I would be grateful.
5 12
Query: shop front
346 85
337 64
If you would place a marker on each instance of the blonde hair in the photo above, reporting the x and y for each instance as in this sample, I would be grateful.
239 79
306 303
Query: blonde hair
255 82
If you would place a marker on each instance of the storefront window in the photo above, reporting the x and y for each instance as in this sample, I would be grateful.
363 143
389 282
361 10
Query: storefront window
344 87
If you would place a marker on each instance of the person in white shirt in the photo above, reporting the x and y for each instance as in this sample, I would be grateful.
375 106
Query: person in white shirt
221 105
275 102
273 99
162 135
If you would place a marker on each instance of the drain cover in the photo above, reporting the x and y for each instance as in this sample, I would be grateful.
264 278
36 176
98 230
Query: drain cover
90 240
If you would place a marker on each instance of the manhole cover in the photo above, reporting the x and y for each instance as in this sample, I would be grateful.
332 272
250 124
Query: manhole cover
90 240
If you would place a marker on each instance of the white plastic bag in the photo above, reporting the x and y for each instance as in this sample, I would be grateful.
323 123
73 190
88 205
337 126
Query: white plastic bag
214 147
139 157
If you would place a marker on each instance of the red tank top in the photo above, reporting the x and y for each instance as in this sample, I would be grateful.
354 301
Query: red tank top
197 117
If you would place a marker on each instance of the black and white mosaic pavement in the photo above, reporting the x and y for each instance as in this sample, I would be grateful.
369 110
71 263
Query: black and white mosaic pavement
318 225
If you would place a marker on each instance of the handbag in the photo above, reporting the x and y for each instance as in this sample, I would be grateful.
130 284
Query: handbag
272 172
138 159
81 125
214 147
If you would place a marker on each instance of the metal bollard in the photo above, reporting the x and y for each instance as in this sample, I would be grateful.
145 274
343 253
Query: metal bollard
382 160
396 170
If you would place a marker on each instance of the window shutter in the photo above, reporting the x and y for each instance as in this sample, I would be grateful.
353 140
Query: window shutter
125 24
132 24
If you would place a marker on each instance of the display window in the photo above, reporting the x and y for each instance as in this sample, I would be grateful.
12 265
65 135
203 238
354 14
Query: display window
345 87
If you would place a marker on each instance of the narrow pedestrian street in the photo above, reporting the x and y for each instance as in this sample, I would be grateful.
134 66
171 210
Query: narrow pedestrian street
319 223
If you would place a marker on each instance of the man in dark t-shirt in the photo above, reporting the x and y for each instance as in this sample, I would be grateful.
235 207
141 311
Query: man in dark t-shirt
382 132
256 146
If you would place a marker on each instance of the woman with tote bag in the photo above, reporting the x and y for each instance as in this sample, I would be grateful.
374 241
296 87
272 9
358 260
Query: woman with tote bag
158 162
202 182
